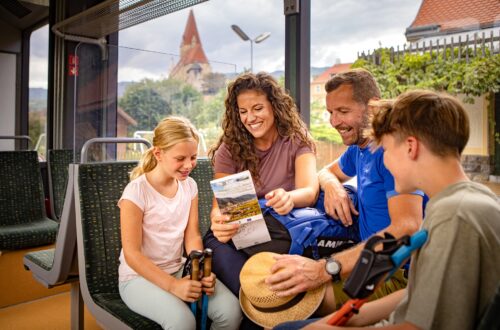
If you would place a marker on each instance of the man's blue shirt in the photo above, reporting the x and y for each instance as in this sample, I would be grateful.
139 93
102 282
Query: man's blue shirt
375 186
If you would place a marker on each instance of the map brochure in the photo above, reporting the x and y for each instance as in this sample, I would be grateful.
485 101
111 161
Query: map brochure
236 197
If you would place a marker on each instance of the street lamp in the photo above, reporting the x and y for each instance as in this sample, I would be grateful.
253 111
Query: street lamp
244 37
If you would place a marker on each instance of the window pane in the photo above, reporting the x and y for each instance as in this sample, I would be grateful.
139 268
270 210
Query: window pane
38 78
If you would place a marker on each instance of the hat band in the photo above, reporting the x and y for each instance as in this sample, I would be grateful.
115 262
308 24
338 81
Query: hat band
280 308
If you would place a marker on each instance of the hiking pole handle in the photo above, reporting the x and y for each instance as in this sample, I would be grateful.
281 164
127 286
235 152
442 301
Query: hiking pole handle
207 262
207 271
417 240
195 256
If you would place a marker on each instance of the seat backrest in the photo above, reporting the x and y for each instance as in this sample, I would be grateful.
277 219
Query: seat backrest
58 162
100 186
202 174
21 188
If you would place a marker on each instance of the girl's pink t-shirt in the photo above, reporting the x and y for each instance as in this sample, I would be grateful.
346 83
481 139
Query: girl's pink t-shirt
163 223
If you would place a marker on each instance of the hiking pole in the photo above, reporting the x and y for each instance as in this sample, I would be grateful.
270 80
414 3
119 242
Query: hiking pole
207 270
195 256
372 266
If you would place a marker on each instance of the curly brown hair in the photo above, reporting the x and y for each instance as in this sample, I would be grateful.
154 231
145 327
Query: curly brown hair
239 141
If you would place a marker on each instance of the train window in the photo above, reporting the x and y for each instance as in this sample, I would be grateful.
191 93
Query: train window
38 78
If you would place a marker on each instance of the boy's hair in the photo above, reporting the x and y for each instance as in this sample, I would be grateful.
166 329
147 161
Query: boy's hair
438 120
364 86
169 132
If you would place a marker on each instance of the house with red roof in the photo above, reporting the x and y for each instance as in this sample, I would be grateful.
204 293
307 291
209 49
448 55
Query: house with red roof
193 64
442 20
318 84
439 19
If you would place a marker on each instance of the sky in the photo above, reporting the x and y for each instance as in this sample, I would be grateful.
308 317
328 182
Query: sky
339 30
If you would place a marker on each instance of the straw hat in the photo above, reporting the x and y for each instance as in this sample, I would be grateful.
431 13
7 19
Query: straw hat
262 305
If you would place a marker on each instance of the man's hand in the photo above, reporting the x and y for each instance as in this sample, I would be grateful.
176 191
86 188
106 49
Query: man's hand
292 274
338 204
280 200
222 230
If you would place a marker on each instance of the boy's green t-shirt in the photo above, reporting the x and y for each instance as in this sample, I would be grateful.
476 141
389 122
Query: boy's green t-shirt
455 275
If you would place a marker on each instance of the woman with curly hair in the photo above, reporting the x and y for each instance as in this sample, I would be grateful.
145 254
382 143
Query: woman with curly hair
262 133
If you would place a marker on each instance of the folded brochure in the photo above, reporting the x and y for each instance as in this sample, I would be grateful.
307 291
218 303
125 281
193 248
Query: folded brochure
236 197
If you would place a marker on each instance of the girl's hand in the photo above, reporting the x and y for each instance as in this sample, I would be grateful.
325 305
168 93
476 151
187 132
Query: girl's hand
280 200
208 284
186 289
222 230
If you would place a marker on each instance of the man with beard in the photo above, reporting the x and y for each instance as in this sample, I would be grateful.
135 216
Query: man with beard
380 208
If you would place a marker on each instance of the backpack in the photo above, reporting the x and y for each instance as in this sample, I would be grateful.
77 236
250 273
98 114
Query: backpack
312 232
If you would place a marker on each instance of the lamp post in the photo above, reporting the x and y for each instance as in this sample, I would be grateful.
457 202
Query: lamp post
261 37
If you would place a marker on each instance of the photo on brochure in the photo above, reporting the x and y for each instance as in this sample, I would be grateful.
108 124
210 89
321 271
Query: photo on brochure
236 197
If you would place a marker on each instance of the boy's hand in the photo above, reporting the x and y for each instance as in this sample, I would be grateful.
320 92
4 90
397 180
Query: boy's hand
280 200
187 289
208 284
222 230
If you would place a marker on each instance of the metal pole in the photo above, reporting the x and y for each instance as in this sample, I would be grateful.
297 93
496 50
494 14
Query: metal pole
251 56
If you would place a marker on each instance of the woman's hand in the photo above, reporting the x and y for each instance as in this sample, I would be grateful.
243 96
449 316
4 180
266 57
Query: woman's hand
208 284
222 230
280 200
186 289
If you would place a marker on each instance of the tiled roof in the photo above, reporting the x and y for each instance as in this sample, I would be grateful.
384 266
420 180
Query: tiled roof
192 38
458 14
326 75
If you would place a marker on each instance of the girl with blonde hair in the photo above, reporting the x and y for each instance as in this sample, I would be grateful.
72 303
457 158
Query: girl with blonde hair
159 220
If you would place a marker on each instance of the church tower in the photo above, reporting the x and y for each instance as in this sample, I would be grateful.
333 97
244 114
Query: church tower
193 64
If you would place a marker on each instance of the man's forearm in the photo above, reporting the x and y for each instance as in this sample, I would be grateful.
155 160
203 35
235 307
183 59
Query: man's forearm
327 178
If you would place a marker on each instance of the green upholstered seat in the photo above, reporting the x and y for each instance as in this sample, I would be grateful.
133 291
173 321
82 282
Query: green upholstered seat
23 221
58 266
98 189
57 163
202 174
43 259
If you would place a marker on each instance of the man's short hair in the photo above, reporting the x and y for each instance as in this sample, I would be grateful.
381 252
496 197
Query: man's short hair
437 119
363 84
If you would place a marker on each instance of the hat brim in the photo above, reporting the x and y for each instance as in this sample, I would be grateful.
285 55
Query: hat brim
300 311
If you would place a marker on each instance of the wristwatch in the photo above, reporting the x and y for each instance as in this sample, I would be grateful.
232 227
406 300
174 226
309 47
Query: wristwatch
333 267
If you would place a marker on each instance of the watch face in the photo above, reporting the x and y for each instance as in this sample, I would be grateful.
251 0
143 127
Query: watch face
332 267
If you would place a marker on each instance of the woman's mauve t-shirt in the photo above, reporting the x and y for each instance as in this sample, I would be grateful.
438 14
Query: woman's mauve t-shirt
277 164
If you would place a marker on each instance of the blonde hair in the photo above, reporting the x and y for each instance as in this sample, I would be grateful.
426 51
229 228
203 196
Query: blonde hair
439 120
169 132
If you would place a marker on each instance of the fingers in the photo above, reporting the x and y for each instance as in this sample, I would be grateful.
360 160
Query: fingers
353 208
188 290
221 218
224 231
340 207
344 213
280 200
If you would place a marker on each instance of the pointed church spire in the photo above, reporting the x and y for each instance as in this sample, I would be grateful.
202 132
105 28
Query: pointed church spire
191 42
193 64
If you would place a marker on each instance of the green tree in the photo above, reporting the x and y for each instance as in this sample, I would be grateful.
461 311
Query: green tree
321 129
143 102
429 70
